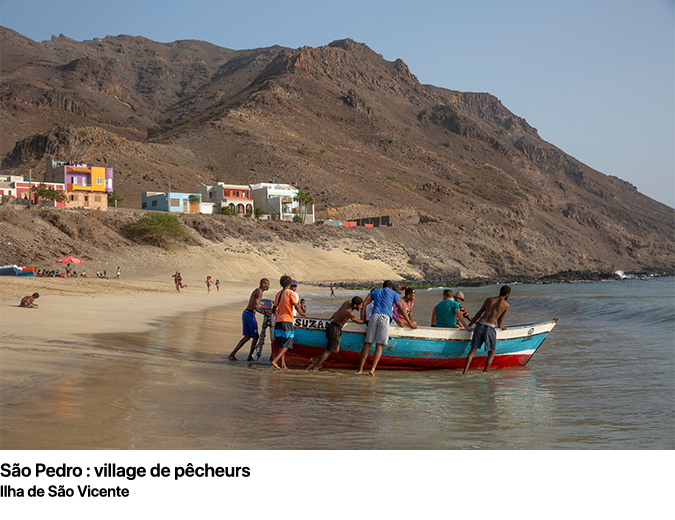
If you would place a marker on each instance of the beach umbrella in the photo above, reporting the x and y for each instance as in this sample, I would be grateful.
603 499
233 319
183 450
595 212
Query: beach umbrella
69 260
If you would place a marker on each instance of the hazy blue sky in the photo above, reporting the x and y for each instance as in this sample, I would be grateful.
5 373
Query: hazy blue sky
595 77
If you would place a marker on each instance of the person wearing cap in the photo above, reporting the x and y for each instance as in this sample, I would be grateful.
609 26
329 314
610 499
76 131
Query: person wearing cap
378 324
284 302
408 301
459 298
28 301
446 314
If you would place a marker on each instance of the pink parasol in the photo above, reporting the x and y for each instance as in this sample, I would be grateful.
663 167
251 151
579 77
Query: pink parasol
69 260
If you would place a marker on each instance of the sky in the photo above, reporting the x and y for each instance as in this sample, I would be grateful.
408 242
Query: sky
595 77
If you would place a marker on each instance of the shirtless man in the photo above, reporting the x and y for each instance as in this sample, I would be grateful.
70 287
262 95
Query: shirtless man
490 315
249 323
334 329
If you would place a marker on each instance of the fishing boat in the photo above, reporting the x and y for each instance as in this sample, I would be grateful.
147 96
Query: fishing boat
415 349
14 270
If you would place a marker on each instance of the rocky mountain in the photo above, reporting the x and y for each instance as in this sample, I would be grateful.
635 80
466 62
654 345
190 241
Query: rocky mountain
357 131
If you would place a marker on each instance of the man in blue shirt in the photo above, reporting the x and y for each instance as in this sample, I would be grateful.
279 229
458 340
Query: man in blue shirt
378 324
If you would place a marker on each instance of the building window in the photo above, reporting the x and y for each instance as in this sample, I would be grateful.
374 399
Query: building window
86 198
236 194
210 194
244 194
99 180
175 203
144 204
72 198
154 202
226 193
75 181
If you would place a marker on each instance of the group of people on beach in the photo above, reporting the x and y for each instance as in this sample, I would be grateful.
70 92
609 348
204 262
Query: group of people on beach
380 308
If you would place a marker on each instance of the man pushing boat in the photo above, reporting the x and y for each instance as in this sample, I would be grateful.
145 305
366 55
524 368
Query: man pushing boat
334 329
488 318
378 325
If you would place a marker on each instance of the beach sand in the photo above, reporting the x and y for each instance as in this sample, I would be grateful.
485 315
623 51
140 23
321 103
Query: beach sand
49 353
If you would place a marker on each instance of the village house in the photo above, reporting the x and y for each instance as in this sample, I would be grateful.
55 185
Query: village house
172 202
236 197
16 187
280 200
86 187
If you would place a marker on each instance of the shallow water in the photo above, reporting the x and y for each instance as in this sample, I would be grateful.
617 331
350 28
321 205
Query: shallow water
604 378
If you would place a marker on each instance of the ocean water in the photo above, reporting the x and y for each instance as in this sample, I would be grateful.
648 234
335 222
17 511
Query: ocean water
603 379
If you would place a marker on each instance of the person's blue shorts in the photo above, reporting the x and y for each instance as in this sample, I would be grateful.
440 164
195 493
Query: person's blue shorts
250 324
483 333
284 332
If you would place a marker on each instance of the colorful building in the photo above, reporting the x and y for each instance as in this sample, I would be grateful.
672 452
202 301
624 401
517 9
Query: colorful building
16 187
236 197
172 202
86 186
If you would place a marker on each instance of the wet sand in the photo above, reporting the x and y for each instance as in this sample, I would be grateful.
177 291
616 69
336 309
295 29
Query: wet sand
49 356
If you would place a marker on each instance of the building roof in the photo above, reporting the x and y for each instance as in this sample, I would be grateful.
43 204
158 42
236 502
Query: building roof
273 186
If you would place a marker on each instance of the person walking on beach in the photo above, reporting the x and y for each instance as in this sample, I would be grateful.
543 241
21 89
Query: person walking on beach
332 292
175 280
490 315
208 285
217 285
447 313
249 323
29 301
119 272
67 270
334 330
285 301
378 326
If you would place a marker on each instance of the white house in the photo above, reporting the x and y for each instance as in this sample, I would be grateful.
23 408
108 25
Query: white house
279 199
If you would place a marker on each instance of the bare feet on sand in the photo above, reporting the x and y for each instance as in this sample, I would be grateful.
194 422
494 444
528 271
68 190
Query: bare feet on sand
231 357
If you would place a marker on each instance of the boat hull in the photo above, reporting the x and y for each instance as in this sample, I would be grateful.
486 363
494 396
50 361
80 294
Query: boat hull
13 270
421 349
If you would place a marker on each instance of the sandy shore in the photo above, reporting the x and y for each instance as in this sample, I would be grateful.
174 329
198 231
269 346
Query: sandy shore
47 353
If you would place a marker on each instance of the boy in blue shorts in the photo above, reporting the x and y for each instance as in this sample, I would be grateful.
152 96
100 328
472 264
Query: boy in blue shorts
249 323
490 315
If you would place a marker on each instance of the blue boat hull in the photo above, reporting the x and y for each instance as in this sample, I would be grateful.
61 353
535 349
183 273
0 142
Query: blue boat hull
419 349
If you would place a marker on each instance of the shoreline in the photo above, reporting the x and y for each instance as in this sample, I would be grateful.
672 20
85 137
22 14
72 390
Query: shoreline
49 352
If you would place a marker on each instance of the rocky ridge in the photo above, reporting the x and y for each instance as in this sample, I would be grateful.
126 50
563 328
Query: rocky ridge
470 186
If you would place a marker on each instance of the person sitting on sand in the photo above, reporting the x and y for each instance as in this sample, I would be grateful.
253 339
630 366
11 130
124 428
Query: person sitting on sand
285 301
249 323
378 325
334 330
490 315
29 301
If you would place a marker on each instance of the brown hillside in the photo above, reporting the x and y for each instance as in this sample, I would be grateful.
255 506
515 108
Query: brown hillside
360 133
